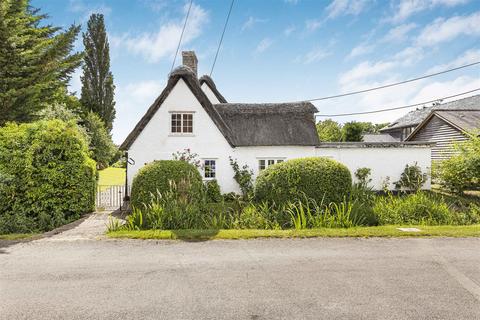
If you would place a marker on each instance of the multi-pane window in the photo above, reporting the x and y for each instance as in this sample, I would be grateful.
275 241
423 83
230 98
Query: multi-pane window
182 123
406 132
209 169
265 163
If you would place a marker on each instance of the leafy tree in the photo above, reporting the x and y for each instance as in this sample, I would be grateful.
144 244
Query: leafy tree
329 131
36 62
353 131
97 80
101 146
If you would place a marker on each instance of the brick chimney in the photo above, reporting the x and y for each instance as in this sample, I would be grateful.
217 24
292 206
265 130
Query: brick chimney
190 60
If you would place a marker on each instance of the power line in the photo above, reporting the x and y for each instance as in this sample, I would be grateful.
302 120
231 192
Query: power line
395 108
393 84
221 38
181 35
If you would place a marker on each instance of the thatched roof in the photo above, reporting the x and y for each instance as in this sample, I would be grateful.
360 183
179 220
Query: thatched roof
273 124
191 80
209 82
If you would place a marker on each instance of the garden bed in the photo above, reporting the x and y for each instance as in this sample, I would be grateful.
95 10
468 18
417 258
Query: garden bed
361 232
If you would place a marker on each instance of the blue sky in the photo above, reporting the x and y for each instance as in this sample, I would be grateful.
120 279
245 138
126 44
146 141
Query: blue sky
287 50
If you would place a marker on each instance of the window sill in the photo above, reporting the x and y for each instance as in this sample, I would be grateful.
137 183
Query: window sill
181 135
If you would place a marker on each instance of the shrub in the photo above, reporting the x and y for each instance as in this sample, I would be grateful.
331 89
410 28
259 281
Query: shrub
320 179
213 191
363 177
46 176
462 171
160 176
416 208
411 179
244 177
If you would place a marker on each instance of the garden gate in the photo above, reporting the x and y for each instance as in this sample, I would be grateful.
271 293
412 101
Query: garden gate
110 197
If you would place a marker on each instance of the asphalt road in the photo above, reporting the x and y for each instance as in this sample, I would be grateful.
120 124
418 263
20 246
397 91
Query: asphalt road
245 279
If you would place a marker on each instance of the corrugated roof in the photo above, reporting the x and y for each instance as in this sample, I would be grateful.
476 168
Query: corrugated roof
415 117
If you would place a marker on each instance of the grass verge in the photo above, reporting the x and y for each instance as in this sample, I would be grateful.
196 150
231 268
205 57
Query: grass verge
380 231
17 236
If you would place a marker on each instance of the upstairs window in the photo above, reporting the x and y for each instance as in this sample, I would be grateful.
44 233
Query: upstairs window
182 123
209 169
265 163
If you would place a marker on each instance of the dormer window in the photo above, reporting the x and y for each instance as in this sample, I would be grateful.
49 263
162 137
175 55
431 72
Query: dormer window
181 123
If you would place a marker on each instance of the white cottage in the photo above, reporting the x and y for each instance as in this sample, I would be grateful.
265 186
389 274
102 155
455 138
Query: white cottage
191 113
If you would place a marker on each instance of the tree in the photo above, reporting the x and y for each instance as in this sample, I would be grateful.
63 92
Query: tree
36 62
101 146
329 131
97 80
353 131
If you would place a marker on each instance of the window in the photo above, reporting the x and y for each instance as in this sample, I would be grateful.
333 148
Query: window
406 132
209 169
265 163
182 123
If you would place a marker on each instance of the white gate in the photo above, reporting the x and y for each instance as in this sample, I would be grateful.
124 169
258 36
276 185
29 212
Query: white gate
110 197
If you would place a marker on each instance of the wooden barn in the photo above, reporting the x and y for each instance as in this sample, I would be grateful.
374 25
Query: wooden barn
445 128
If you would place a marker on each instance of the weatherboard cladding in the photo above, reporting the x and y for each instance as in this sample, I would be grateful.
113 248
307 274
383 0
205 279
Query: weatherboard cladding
443 134
415 117
277 124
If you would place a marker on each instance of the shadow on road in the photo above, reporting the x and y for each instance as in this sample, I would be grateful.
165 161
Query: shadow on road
195 235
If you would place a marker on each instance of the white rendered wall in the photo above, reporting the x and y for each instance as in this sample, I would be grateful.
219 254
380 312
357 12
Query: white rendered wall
209 93
383 162
156 142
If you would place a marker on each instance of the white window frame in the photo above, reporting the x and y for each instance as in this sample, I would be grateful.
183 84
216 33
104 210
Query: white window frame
181 123
214 170
268 161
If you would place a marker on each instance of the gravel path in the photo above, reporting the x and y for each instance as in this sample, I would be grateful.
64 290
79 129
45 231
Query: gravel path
92 228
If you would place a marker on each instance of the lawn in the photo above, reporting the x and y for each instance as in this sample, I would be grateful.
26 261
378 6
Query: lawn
111 176
380 231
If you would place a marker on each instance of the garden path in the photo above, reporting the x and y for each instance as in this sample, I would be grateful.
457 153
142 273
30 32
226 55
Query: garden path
91 228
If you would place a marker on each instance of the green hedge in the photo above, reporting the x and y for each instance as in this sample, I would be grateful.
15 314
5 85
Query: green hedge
320 179
157 177
46 176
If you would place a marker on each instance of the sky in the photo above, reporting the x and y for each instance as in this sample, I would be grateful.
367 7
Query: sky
286 50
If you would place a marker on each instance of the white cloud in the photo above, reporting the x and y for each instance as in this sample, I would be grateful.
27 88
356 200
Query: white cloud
251 22
360 50
291 1
154 46
440 89
345 7
263 45
472 55
399 33
442 30
313 55
406 8
365 70
85 10
132 101
289 30
313 24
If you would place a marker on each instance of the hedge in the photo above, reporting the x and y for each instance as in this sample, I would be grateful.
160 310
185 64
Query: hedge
46 176
160 176
317 178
